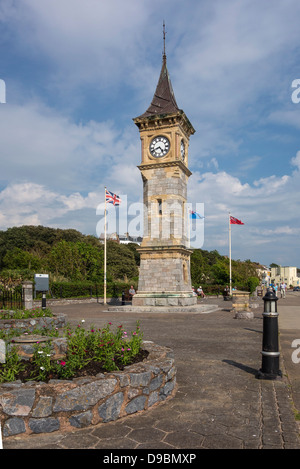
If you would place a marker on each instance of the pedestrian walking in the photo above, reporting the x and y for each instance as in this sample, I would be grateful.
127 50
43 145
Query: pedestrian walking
282 289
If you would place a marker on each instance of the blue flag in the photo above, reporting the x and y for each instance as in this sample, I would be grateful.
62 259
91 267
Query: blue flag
195 215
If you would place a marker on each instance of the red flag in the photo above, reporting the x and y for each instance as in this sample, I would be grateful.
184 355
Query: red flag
235 221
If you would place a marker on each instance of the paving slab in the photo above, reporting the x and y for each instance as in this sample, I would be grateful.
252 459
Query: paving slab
219 404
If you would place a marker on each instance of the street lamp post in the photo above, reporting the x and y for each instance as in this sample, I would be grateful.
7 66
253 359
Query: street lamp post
270 347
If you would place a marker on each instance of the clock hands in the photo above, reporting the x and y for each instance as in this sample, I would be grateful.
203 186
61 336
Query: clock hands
159 146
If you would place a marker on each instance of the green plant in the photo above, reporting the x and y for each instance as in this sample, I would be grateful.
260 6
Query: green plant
112 349
13 365
8 334
252 283
109 350
41 361
37 312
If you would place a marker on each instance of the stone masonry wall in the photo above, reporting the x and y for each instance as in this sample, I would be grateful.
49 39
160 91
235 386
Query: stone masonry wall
169 185
56 321
27 408
163 274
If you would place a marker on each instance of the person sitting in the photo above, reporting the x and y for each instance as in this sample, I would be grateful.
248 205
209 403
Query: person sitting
131 292
226 293
200 292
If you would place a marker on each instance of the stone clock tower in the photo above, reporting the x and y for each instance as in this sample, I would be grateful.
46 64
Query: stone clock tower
164 278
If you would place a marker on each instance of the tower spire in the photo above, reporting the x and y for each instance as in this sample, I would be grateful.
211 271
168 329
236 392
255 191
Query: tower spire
163 101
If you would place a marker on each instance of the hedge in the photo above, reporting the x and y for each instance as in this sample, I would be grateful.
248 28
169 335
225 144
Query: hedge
218 289
87 289
113 289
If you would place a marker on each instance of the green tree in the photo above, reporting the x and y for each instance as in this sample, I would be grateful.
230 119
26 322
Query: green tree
252 283
19 259
198 267
120 261
91 260
220 273
76 261
133 247
36 239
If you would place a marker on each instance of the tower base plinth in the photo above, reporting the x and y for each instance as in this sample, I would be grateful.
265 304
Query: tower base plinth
164 299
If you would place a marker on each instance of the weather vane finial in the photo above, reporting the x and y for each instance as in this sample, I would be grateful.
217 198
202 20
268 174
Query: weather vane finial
164 36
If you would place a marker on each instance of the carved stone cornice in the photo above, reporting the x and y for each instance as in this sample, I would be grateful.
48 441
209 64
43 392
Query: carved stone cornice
166 164
162 121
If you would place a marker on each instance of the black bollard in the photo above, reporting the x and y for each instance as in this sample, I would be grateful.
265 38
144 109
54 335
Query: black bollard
270 347
123 298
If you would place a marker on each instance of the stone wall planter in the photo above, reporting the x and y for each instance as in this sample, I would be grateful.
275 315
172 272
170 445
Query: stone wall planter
30 324
24 345
27 408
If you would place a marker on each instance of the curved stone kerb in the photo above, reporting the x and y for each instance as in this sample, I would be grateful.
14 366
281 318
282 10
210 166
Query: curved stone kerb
64 404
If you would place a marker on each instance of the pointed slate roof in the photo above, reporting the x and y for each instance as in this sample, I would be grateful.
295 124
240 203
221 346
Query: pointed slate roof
163 101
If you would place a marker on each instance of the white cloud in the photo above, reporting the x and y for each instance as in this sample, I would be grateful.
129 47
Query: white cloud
258 206
28 203
231 64
271 184
83 42
35 204
267 208
296 160
234 62
40 144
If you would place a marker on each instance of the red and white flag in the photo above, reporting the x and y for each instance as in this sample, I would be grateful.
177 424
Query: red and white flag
112 198
235 221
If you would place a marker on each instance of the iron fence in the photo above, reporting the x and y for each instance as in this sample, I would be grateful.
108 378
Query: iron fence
11 299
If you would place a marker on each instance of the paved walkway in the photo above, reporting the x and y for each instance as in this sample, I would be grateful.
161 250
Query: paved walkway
219 402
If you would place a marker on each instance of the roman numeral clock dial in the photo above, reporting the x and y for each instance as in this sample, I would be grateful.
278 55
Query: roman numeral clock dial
159 146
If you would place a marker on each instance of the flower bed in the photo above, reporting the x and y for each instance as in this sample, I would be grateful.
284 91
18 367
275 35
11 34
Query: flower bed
67 357
36 407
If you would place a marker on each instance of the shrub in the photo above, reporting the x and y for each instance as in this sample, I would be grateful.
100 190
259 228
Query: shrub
77 289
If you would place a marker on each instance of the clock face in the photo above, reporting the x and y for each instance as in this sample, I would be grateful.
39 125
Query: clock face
182 149
159 146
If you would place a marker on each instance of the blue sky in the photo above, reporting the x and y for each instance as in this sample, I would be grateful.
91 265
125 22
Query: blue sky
77 73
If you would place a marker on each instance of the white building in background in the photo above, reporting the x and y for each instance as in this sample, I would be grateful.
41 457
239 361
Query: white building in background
126 239
288 275
264 273
121 239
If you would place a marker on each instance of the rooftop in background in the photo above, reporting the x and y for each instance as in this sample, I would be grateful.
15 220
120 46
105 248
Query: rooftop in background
121 239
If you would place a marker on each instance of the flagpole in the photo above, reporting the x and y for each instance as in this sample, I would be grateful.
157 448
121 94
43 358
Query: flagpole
1 443
105 248
189 230
230 280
